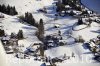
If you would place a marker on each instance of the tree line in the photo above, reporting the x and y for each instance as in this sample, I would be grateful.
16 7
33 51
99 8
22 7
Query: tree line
10 10
28 18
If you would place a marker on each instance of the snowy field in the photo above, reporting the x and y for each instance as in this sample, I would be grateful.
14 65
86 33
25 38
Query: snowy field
83 56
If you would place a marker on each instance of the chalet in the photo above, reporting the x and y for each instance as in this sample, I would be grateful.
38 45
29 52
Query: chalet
33 48
8 49
50 43
13 42
5 39
62 42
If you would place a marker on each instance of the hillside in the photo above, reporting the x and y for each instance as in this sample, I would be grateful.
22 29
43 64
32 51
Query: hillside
23 6
63 36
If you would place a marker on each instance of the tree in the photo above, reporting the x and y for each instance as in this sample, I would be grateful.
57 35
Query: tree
59 33
3 8
31 19
12 35
0 8
41 26
72 13
94 50
15 12
41 51
41 30
11 12
79 39
20 34
2 32
26 16
80 21
60 7
65 2
8 9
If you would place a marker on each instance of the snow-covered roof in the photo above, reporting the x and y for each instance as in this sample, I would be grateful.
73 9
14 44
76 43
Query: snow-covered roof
6 38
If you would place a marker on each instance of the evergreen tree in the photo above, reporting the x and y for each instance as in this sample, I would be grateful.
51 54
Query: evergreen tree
60 7
15 12
94 50
65 2
41 26
12 35
3 8
20 34
0 8
11 12
59 33
30 18
33 22
80 21
8 9
41 51
2 32
40 32
26 16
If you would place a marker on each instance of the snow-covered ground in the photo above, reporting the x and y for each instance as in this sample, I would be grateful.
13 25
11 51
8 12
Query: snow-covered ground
3 56
12 24
23 6
88 32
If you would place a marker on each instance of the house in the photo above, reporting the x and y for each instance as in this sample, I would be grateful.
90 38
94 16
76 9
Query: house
32 49
5 39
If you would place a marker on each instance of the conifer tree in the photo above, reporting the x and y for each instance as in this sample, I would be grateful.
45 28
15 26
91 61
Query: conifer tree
3 8
12 35
41 51
0 8
2 32
80 21
8 9
26 16
20 34
41 30
15 12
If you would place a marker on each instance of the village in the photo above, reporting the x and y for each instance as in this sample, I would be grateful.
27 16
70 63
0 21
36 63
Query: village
52 36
